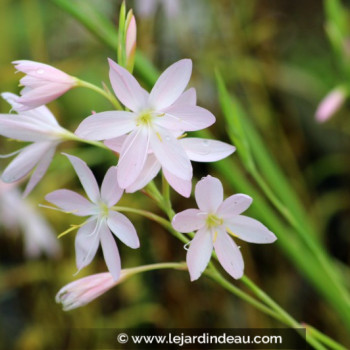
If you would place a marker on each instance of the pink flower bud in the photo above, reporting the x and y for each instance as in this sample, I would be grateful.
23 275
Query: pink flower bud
130 42
84 290
42 83
330 104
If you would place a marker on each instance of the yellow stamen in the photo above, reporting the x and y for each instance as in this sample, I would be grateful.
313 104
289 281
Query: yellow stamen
159 137
182 136
215 236
230 232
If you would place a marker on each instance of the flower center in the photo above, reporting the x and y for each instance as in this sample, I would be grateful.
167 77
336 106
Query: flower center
213 221
144 118
104 209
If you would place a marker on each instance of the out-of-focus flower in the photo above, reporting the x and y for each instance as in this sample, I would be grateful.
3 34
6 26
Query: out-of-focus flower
103 219
130 42
42 84
148 8
17 214
82 291
38 126
330 104
154 123
214 218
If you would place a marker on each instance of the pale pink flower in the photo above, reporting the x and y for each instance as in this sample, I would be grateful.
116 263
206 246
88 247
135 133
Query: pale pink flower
17 214
82 291
155 121
330 104
102 218
38 126
197 149
42 83
214 218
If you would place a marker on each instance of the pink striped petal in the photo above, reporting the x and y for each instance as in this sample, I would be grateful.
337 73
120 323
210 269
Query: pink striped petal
171 84
25 161
204 150
110 251
229 254
189 97
189 220
126 87
106 125
181 186
249 230
133 156
116 143
71 202
186 118
199 253
41 113
86 177
122 227
148 173
234 205
40 170
20 127
86 244
170 153
110 190
209 194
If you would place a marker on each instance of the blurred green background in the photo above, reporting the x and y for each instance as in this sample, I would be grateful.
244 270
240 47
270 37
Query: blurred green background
276 60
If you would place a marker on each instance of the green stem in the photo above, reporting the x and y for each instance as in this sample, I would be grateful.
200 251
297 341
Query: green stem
323 338
70 136
102 92
304 235
166 198
158 266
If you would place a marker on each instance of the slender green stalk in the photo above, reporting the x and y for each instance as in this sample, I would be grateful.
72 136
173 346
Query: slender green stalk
102 92
158 266
332 344
70 136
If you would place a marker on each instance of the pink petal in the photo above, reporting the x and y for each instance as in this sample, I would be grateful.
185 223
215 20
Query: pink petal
148 173
126 87
130 40
86 243
106 125
199 253
25 161
40 170
171 84
133 156
110 190
189 97
71 202
234 205
209 194
20 127
181 186
86 177
122 227
41 113
170 153
204 150
185 118
116 143
249 230
110 251
189 220
229 255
